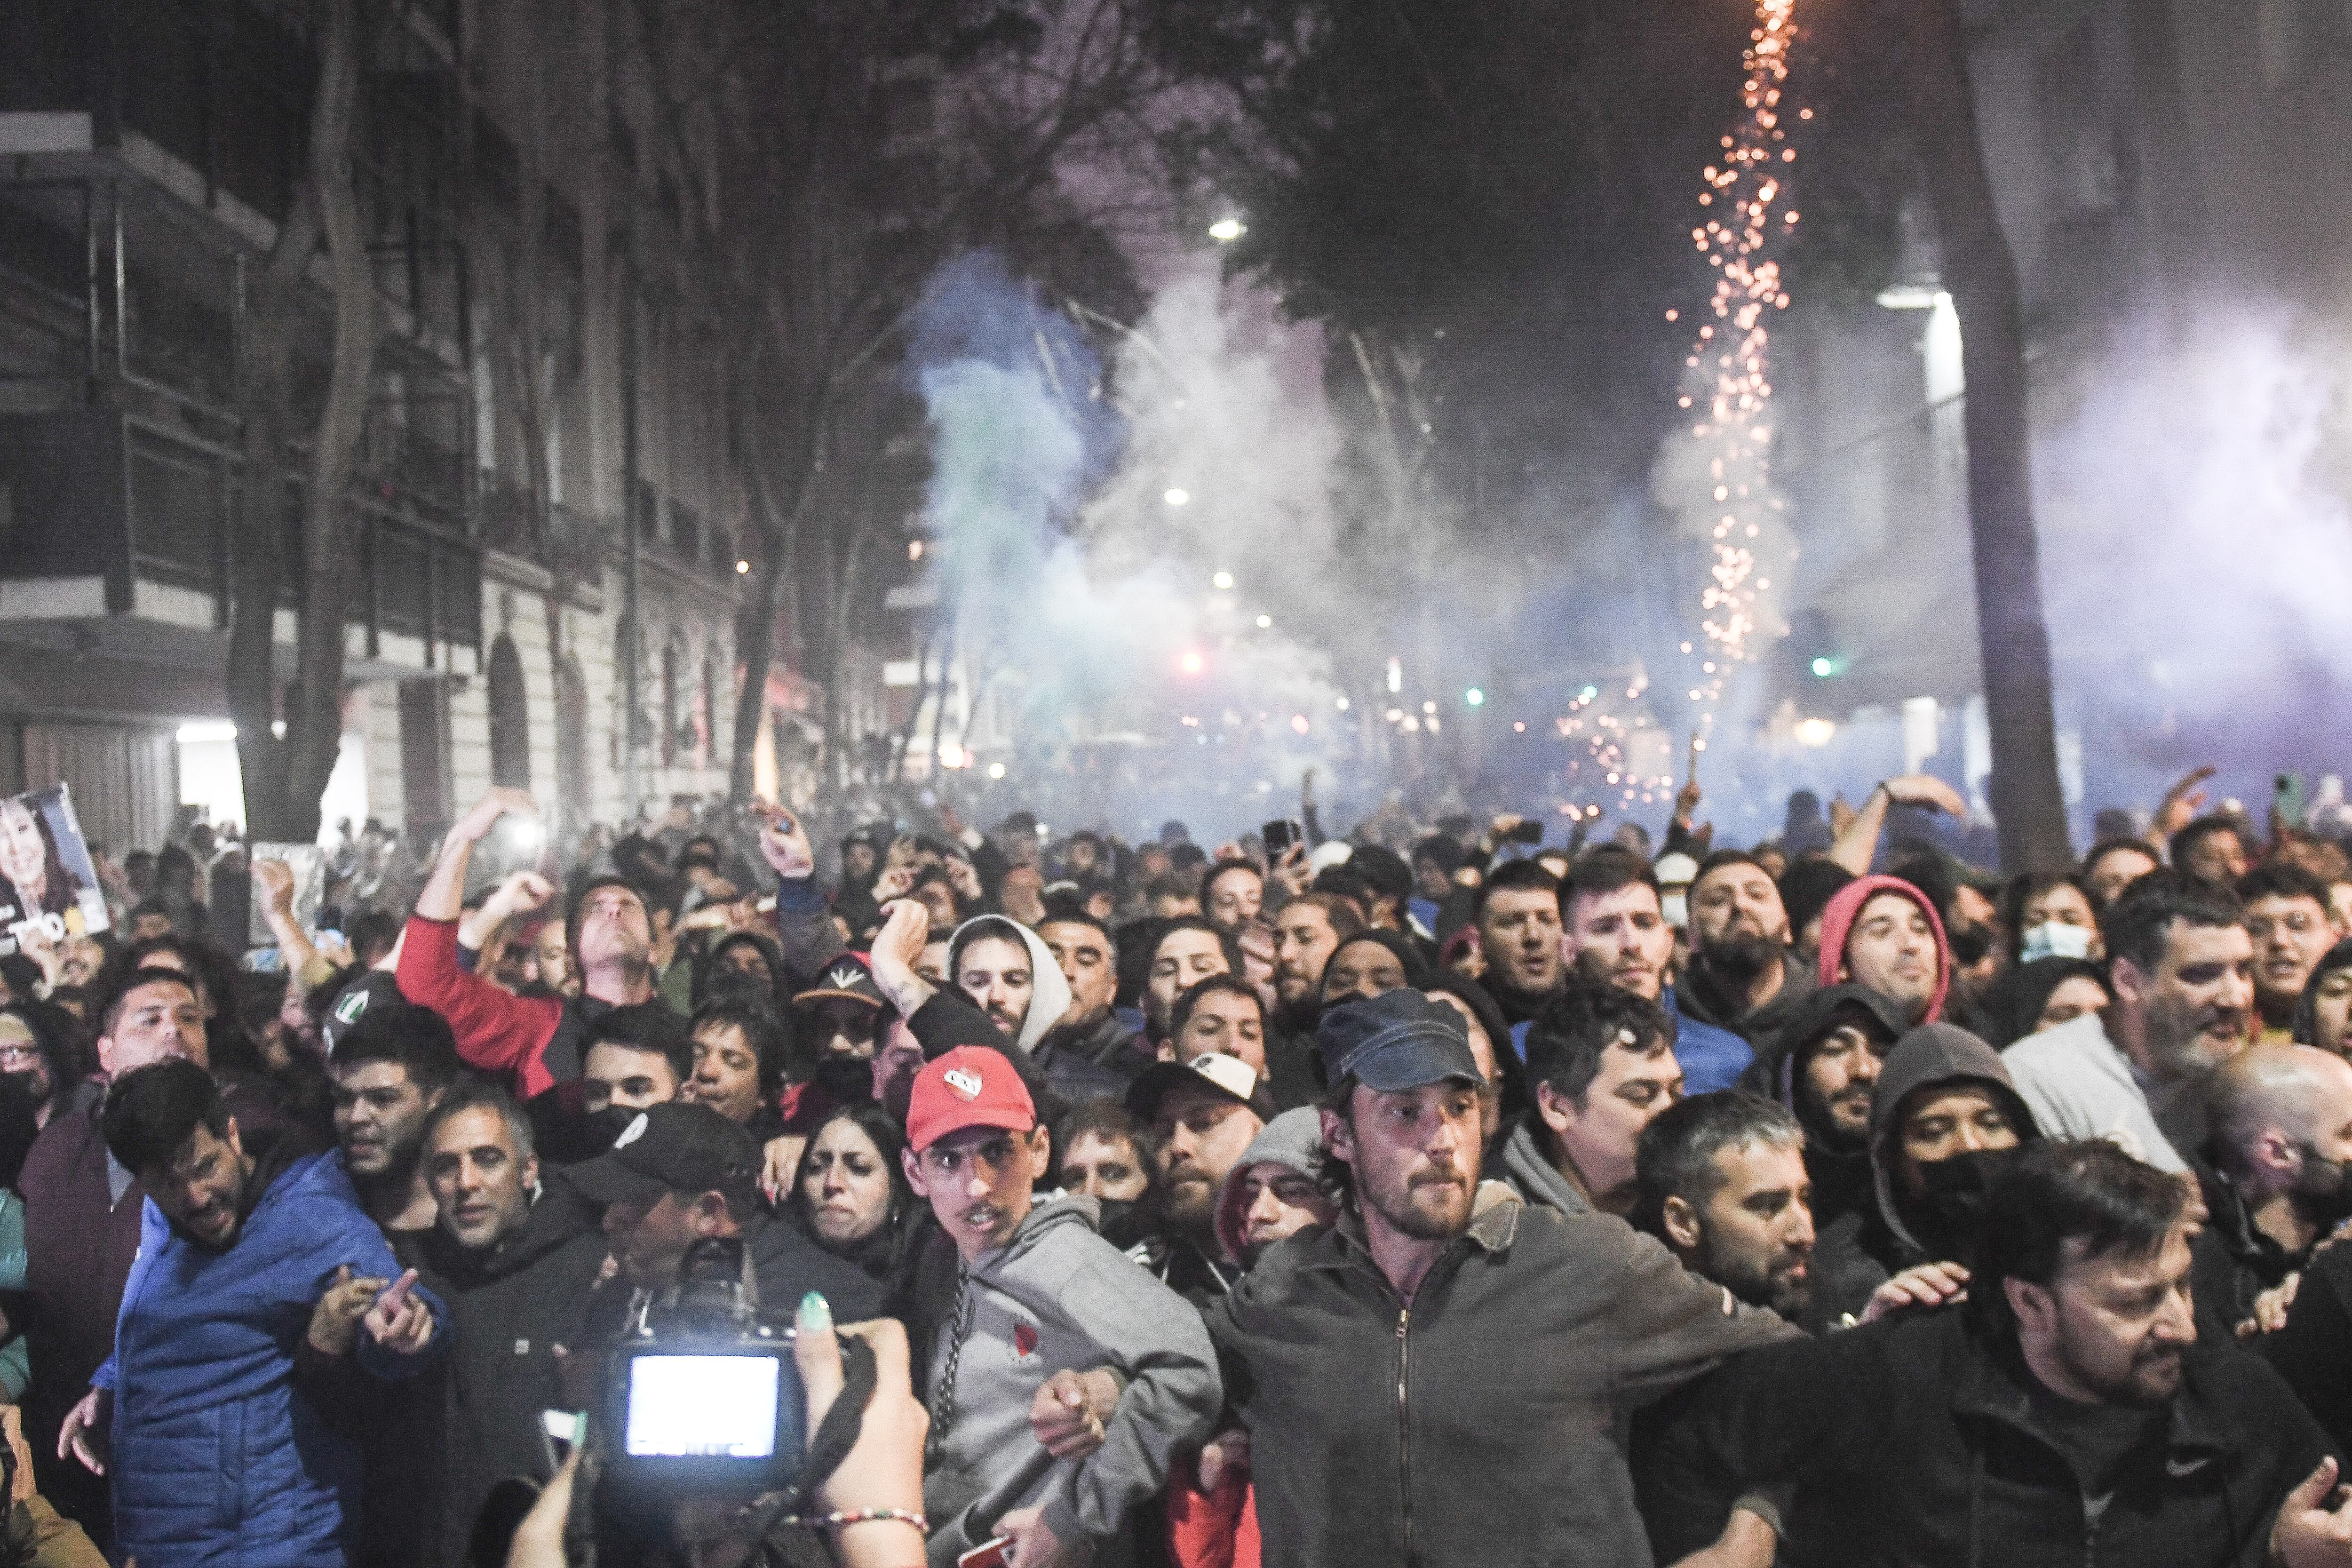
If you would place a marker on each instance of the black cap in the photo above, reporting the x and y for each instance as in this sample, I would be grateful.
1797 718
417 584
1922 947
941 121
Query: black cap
848 978
671 1148
1228 1076
1395 1041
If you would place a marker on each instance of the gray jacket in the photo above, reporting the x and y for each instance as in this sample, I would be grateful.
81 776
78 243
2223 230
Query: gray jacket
1521 1163
1057 1297
1478 1424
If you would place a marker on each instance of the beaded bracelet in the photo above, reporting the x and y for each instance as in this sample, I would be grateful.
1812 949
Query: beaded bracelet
856 1516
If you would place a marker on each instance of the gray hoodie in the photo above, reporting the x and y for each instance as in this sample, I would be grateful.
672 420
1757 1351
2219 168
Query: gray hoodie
1536 1178
1056 1297
1050 997
1292 1140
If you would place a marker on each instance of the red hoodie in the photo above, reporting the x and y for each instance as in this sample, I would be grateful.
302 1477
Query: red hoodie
1837 925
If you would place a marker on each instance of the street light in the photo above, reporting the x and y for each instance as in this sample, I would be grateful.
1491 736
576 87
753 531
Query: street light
1226 230
1476 697
1222 582
1177 496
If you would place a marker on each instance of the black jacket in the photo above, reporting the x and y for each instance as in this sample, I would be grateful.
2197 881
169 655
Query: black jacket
2314 1351
2233 1260
1913 1441
509 1306
1478 1424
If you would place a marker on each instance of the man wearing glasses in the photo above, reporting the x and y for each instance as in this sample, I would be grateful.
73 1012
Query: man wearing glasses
1062 1377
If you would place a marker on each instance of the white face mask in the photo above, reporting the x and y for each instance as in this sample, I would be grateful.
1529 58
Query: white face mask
2053 939
1675 909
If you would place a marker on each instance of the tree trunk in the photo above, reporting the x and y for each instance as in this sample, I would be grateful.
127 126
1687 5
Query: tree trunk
284 779
1981 273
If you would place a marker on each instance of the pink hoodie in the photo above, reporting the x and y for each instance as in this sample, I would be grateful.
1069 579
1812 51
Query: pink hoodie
1846 906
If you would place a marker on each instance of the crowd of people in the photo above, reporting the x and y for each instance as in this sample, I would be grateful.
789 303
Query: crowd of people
1424 1195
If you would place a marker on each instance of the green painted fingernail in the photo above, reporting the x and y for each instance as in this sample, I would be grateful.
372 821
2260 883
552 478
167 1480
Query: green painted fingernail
815 1316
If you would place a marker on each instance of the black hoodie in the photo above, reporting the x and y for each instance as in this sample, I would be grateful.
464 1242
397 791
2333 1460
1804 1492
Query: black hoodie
510 1306
1930 1056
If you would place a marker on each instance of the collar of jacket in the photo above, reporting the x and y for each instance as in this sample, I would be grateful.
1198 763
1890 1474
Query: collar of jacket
1989 1385
1494 1224
2248 1244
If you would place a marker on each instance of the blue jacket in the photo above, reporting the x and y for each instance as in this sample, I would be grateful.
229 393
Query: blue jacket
1710 1056
220 1460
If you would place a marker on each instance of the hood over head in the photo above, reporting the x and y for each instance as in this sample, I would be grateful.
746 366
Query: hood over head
1838 917
1931 1056
1294 1141
2011 1008
1810 1023
1049 997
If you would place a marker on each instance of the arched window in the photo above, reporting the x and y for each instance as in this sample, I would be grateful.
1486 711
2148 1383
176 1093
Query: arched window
509 718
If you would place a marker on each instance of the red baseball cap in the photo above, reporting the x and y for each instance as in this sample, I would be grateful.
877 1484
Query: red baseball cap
970 1086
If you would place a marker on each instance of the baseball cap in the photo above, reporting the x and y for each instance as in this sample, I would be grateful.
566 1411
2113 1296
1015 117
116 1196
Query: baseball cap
848 978
1228 1074
671 1148
1395 1041
970 1086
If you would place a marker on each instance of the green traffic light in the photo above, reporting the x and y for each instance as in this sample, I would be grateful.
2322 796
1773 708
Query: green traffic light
1824 668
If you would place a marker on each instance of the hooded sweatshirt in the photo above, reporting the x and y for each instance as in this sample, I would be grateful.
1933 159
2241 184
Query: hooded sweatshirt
1839 1169
1292 1140
1931 1056
1070 1074
1844 908
2307 1011
1056 1297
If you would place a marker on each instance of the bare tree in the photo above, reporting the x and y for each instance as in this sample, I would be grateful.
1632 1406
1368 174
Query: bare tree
285 777
1980 272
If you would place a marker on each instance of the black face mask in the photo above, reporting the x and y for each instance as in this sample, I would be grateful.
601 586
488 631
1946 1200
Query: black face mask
1969 944
1946 1215
845 1080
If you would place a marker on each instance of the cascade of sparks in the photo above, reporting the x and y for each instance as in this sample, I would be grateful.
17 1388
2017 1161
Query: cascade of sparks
1741 220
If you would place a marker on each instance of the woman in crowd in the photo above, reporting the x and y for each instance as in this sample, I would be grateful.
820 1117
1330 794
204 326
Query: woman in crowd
853 1198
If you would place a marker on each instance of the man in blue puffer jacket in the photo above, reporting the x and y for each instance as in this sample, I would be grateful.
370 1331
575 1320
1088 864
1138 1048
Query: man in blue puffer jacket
243 1338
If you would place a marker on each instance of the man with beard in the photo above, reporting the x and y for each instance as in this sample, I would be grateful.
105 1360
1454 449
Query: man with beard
1601 1068
1517 918
2181 968
2071 1413
1722 1183
1008 972
263 1305
2279 1178
1618 935
535 1041
1307 930
1087 955
1383 1365
1202 1115
392 1068
1232 894
1740 976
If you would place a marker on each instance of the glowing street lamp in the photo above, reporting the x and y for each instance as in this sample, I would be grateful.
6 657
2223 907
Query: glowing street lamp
1222 582
1226 230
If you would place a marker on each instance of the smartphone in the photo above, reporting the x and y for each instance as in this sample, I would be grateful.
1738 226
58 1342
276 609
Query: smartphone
1530 832
2286 799
1281 836
560 1432
994 1554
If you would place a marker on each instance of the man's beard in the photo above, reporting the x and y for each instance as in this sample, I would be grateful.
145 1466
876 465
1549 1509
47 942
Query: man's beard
1432 1207
1778 1287
2324 1195
2151 1380
1190 1205
1742 957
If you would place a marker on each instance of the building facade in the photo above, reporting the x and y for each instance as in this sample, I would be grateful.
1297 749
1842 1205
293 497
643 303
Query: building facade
541 452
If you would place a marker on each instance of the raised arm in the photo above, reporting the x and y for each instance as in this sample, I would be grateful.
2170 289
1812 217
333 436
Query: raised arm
1857 845
496 1031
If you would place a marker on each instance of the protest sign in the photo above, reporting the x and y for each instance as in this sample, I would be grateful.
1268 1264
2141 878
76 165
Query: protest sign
47 881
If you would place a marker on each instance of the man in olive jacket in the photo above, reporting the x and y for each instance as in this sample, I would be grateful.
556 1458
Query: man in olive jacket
1438 1377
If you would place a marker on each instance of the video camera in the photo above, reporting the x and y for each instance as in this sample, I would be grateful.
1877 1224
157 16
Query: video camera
703 1394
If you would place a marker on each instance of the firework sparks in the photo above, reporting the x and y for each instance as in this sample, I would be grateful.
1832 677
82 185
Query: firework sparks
1742 218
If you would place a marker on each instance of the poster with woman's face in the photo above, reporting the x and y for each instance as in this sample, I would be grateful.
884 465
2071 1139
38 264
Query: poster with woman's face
47 880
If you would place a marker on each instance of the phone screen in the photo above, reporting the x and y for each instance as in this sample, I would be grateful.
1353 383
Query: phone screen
702 1406
1279 837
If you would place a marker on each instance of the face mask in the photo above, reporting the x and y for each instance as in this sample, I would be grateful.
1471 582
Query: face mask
1675 909
1969 944
2053 939
845 1080
1947 1212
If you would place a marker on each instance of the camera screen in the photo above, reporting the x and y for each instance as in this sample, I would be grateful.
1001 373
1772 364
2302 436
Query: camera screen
702 1406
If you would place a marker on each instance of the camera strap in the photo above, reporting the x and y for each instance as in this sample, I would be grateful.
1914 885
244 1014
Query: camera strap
828 1444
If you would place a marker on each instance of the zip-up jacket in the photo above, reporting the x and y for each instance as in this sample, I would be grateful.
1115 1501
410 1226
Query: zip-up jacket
1914 1440
534 1041
1056 1297
1474 1424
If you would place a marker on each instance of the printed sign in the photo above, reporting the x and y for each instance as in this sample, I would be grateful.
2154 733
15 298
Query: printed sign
47 881
308 864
